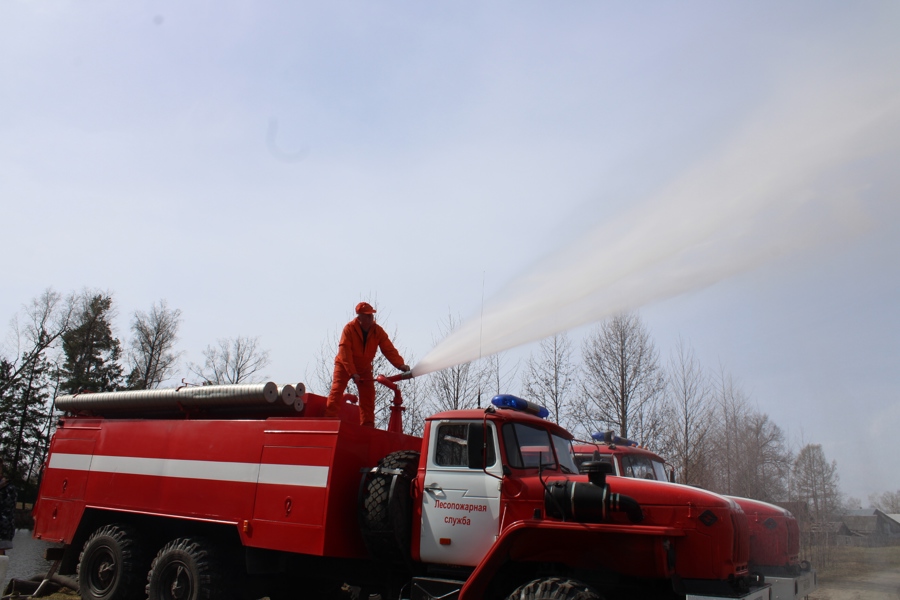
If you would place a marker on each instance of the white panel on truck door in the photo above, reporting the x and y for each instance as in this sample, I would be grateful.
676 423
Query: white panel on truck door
460 505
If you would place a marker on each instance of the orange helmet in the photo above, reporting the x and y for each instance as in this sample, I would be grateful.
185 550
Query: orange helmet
364 308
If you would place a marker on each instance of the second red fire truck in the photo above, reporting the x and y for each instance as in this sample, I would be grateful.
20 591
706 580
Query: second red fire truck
774 532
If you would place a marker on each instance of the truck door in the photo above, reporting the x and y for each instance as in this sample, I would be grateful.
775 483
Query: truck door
461 499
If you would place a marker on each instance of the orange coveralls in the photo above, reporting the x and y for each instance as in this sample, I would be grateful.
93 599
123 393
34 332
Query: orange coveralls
354 357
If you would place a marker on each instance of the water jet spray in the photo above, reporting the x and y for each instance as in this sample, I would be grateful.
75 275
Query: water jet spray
783 183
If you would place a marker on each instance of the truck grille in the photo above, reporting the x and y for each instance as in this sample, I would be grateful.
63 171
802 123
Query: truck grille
741 539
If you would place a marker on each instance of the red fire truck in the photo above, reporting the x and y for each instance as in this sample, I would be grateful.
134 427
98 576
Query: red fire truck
245 491
774 533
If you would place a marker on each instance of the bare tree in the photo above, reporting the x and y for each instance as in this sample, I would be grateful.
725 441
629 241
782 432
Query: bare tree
46 318
623 382
551 378
456 387
717 439
731 412
689 405
319 379
887 502
815 483
232 360
497 378
151 354
852 503
766 460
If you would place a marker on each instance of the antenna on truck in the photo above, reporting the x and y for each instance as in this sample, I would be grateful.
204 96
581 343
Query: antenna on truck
480 335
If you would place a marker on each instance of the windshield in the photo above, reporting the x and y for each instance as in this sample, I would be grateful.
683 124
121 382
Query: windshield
643 467
529 447
565 454
660 469
583 457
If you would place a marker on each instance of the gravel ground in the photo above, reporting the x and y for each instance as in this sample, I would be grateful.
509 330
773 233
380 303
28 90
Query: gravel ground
855 574
26 557
861 574
883 585
874 586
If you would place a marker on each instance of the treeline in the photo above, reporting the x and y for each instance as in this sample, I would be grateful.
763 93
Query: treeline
64 344
701 421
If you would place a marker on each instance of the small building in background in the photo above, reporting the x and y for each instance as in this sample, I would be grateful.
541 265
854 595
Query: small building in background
870 527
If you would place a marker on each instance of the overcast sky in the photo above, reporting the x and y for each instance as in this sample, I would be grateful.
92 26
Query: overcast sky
731 169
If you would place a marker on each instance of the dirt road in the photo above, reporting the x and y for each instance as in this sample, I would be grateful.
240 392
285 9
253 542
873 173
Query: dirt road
879 585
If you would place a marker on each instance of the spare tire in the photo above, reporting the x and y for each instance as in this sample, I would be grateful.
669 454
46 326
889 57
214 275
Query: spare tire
385 506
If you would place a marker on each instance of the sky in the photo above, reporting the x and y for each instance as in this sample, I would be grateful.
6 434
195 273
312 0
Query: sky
728 169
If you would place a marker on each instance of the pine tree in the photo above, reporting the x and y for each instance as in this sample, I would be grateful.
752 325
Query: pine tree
25 407
92 352
7 394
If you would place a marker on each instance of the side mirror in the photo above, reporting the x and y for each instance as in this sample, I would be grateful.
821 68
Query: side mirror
475 446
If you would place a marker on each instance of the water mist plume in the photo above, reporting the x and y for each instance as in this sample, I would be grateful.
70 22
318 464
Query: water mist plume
787 180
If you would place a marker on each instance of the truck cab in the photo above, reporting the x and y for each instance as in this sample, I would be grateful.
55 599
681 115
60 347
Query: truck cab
465 472
626 458
498 497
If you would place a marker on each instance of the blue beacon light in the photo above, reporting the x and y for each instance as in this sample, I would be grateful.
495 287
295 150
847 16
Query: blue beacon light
516 403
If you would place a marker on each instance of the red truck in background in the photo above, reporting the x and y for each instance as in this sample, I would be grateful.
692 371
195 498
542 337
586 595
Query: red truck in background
774 532
244 491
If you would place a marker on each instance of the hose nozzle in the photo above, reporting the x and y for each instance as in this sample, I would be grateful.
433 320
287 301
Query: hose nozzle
400 376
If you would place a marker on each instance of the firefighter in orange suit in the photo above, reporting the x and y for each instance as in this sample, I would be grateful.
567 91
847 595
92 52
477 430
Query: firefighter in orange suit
361 338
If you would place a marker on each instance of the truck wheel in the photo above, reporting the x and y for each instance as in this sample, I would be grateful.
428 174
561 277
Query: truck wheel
111 565
554 588
386 506
186 569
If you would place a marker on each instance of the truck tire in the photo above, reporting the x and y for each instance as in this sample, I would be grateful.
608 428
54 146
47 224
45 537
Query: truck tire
186 569
111 565
386 506
554 588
